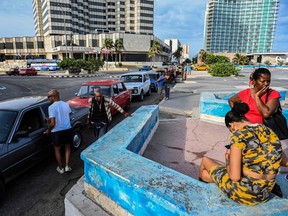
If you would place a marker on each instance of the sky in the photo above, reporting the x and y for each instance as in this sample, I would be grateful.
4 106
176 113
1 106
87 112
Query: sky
183 20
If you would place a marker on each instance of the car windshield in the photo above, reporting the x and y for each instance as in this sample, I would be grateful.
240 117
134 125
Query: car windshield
153 76
88 90
131 78
7 119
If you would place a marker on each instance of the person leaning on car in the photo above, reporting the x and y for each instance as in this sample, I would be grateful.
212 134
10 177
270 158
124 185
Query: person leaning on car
99 113
60 129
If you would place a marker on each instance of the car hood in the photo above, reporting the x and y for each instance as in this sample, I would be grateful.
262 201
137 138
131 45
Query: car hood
131 85
79 101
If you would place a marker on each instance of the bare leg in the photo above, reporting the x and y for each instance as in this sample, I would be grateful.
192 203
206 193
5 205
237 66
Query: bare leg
58 156
67 153
205 166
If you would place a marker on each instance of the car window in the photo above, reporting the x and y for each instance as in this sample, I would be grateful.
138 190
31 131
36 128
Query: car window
115 90
131 78
120 87
31 121
7 119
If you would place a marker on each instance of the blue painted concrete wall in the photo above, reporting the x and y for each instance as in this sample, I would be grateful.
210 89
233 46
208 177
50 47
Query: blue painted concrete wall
113 166
216 104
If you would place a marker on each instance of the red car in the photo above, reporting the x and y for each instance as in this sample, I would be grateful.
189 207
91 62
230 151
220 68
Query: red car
12 71
27 71
114 89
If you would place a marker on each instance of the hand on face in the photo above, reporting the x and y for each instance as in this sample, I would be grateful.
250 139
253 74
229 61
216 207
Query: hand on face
262 91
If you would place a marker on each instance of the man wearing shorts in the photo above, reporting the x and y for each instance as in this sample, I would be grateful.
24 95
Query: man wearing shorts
60 129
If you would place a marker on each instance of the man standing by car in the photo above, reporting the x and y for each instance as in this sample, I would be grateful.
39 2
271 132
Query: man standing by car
60 129
167 83
160 84
99 113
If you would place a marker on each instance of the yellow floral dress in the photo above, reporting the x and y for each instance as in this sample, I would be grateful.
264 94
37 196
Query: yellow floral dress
261 153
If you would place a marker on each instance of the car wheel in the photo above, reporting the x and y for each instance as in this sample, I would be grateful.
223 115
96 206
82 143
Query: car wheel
2 189
141 97
149 91
128 105
77 139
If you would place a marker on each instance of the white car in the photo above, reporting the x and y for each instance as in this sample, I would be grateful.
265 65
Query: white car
138 82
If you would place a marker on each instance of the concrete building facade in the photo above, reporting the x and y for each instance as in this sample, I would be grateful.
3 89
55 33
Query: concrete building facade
174 44
240 26
53 47
59 17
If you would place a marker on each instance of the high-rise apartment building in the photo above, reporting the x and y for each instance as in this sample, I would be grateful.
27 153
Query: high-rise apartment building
243 26
59 17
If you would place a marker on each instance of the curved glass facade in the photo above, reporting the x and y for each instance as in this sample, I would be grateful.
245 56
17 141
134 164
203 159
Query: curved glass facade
243 26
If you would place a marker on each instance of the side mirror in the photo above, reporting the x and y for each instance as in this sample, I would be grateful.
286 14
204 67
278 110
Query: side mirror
21 134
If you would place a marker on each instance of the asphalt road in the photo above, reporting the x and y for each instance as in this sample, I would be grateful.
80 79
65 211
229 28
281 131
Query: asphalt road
41 190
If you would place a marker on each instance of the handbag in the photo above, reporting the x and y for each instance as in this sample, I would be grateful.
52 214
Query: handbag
277 122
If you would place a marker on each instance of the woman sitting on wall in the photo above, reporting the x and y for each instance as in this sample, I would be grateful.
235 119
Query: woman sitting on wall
253 159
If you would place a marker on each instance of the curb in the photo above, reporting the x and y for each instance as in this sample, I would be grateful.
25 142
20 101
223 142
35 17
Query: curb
75 76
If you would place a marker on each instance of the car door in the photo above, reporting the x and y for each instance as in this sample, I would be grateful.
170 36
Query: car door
117 96
23 149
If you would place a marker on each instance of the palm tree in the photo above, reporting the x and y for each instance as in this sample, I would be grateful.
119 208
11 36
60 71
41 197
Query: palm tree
240 59
118 47
202 55
178 53
108 46
154 50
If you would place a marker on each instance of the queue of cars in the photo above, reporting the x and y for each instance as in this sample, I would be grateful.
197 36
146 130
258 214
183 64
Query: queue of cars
24 120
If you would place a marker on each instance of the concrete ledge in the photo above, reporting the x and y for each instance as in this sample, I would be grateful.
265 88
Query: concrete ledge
76 203
125 183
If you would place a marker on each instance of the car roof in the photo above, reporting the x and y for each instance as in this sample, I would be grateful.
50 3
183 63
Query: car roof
135 73
17 104
102 82
153 72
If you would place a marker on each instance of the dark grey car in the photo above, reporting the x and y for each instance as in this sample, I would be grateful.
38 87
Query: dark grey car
22 142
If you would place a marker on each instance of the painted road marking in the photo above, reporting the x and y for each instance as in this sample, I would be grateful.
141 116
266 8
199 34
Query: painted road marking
2 87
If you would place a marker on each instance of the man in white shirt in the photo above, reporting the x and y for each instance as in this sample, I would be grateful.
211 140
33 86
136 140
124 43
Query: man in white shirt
60 129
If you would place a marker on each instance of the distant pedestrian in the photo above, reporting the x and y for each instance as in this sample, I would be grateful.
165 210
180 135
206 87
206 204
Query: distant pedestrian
184 71
100 116
60 129
160 84
167 83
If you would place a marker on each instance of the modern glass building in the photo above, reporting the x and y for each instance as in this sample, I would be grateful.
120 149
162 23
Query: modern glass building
58 17
240 26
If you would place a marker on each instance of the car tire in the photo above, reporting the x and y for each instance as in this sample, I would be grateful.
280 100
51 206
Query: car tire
77 139
128 105
149 92
141 97
2 190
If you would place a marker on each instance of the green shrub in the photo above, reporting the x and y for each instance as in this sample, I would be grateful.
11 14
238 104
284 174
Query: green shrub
92 65
223 70
119 64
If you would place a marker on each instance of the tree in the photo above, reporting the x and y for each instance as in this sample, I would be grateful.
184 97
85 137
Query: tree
240 59
223 70
154 50
213 59
178 53
267 62
118 47
202 55
108 46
